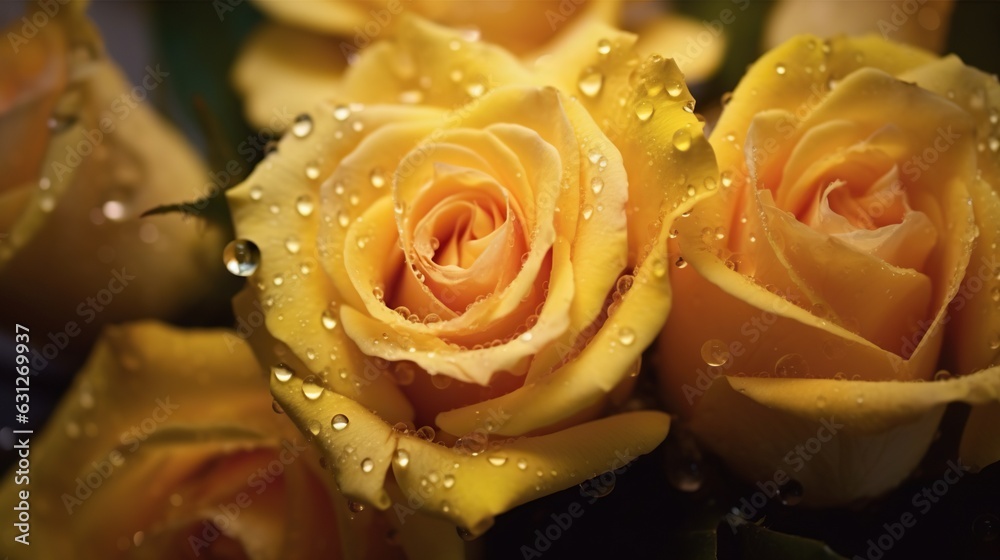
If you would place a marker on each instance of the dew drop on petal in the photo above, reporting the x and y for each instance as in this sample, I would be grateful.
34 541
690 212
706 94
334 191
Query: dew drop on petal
302 126
715 353
377 178
241 257
791 365
597 185
644 110
339 422
311 388
341 112
282 372
304 205
626 336
682 140
591 81
401 457
328 320
367 465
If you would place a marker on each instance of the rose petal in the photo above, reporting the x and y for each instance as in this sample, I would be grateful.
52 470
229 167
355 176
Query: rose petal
301 70
887 427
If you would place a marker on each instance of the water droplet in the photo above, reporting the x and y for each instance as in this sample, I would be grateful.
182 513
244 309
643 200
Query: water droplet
476 87
674 88
682 140
791 365
780 69
311 388
598 486
329 320
522 464
644 110
282 372
279 279
241 257
498 460
293 245
426 433
995 293
312 170
626 336
603 47
343 219
341 112
355 507
339 422
276 407
680 262
448 481
304 205
256 193
367 465
715 353
401 457
587 211
596 185
659 268
314 427
591 81
302 126
465 534
377 178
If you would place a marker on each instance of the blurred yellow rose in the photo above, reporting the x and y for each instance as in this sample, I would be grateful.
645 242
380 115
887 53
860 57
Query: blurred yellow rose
484 263
166 447
921 23
856 226
305 52
82 156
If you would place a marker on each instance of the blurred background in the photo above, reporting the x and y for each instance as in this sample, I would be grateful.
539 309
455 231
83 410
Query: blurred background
641 514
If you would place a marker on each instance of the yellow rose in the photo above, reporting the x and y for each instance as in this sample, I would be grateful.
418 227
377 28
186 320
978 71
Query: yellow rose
82 157
166 447
854 238
483 268
916 22
305 51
